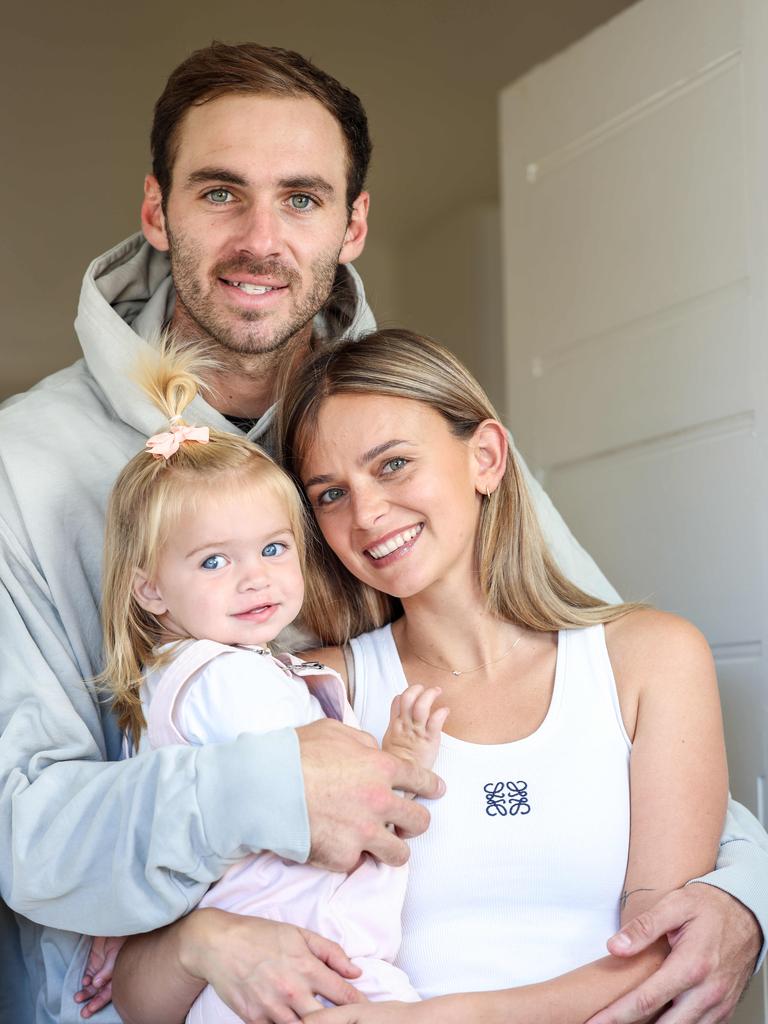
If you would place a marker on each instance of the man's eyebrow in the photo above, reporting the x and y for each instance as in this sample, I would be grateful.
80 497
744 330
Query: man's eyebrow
309 184
215 174
364 459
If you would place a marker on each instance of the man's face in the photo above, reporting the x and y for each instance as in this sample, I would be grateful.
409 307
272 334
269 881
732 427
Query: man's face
256 219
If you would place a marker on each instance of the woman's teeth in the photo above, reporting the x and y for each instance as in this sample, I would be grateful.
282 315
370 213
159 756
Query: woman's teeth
380 550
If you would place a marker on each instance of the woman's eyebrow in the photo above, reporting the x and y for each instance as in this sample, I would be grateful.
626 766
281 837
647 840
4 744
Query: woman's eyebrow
364 459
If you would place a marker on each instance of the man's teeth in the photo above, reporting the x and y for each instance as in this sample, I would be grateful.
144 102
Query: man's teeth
252 289
380 550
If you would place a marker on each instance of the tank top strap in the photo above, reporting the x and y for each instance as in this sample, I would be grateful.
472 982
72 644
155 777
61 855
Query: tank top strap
378 677
191 657
590 695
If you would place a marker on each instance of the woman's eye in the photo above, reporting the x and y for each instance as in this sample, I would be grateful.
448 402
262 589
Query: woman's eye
213 562
219 196
392 465
274 549
301 202
328 497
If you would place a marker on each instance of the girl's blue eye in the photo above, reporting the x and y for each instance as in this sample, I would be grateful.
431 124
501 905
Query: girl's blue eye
332 494
394 464
273 549
213 562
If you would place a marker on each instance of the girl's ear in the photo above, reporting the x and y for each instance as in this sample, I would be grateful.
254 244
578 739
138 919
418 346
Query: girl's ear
490 446
147 595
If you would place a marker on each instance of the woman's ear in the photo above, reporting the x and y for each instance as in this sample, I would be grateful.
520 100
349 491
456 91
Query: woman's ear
490 446
147 595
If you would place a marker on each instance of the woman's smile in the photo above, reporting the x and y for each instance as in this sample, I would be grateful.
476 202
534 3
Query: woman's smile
395 545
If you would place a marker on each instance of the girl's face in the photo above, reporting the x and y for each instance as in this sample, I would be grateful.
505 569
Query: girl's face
395 492
230 570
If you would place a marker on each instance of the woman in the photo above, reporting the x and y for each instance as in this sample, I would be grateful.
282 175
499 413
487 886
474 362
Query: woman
425 525
567 717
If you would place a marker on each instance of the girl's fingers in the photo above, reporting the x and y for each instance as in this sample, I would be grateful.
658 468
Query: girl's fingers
422 706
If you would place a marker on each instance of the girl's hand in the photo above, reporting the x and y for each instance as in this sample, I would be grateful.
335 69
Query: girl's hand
266 971
97 977
414 727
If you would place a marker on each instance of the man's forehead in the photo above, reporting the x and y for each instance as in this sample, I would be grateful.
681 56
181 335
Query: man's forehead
290 134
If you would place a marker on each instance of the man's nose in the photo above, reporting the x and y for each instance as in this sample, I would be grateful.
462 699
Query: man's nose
260 231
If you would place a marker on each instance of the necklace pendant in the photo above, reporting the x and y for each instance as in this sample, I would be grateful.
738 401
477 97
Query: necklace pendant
455 673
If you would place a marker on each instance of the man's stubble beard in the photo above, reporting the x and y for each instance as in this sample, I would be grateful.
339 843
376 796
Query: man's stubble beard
197 318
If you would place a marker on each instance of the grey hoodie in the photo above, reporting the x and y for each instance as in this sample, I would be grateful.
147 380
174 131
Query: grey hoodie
92 844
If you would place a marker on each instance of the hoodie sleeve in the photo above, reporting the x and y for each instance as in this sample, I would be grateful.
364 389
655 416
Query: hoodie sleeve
102 847
742 866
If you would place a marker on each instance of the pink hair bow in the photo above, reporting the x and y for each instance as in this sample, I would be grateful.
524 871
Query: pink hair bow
163 446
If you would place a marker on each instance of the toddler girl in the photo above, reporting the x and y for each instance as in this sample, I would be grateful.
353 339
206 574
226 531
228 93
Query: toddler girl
204 561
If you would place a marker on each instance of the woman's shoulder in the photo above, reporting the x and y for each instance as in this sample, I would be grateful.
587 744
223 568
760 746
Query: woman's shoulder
333 657
646 642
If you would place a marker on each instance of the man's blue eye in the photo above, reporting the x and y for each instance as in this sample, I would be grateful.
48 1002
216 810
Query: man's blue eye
213 562
218 195
301 202
273 549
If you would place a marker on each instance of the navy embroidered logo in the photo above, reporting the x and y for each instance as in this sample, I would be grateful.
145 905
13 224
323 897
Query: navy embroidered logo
506 798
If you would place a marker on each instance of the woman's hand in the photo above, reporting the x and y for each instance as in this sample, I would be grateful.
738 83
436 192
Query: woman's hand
266 971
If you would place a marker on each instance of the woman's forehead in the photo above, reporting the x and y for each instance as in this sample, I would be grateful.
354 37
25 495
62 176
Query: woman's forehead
351 426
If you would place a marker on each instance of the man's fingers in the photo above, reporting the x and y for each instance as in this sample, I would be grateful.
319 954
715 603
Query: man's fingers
642 931
412 778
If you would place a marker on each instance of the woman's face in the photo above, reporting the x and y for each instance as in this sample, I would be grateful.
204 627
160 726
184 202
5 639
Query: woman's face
395 492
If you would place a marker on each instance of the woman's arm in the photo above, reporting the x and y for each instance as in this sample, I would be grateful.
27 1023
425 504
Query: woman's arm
668 693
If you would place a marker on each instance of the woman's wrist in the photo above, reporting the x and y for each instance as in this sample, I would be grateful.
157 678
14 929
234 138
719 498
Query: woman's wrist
197 933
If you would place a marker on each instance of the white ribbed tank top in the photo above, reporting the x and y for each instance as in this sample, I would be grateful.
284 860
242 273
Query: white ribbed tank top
518 877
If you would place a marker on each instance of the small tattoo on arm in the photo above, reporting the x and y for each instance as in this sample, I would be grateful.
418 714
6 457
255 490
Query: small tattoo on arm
626 894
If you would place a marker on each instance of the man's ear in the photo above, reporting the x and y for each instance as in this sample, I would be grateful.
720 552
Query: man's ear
357 229
147 595
490 447
152 216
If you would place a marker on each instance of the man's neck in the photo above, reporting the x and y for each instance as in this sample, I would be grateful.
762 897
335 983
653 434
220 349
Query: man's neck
243 385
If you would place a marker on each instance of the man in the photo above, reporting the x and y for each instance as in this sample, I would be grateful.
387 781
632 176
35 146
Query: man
254 210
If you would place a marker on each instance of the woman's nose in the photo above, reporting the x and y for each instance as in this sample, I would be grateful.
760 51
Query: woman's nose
368 505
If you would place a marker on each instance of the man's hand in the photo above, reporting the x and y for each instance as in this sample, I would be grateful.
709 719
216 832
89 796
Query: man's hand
349 786
714 943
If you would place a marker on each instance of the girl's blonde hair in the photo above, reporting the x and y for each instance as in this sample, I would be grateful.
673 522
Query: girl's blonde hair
518 576
147 501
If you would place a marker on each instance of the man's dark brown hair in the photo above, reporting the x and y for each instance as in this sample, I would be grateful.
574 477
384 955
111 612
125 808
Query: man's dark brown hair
221 69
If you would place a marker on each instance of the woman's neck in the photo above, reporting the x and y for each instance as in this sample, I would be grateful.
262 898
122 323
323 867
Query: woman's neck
453 631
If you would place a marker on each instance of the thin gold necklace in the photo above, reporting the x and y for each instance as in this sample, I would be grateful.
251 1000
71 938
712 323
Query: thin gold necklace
465 671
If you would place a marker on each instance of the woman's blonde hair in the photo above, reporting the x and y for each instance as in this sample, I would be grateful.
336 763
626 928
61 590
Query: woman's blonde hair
518 576
146 502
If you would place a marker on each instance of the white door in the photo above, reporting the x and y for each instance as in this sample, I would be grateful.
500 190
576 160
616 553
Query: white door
635 226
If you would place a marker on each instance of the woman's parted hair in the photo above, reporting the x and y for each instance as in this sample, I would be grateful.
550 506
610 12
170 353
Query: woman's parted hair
518 575
147 500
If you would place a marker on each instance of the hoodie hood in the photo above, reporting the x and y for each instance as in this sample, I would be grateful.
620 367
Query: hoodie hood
126 299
